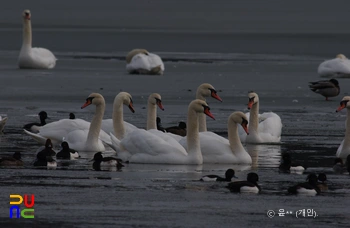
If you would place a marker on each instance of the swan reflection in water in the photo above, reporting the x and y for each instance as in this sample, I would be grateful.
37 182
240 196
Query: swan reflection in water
264 155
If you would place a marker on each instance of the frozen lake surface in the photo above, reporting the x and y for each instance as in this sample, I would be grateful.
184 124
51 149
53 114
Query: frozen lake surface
235 52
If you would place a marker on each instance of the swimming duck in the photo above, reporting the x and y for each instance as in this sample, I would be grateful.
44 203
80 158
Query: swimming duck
326 88
229 174
286 165
15 160
178 130
47 151
66 152
322 185
71 116
338 166
248 186
309 188
47 161
34 127
99 161
159 125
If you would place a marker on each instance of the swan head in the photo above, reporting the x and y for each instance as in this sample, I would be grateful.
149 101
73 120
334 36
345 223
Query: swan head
207 90
156 99
253 99
201 106
95 99
240 118
26 15
126 98
341 56
344 103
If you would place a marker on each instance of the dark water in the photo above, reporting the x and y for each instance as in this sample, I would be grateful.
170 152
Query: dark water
272 49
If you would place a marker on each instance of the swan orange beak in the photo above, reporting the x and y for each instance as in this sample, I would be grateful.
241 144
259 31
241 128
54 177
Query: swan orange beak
160 105
341 106
87 103
215 95
208 113
245 127
250 103
131 107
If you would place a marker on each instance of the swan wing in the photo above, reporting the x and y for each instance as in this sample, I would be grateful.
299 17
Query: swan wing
270 127
107 126
44 57
334 66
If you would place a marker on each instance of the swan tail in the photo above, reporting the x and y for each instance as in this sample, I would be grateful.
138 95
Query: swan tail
40 139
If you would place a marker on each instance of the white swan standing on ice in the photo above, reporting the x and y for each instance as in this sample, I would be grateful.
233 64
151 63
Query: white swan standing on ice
337 67
344 148
34 58
140 61
74 132
146 147
263 128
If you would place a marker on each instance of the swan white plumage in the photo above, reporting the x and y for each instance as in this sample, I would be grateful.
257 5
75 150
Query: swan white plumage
205 90
146 147
232 151
144 62
263 128
74 132
117 125
339 66
2 123
29 57
344 148
154 100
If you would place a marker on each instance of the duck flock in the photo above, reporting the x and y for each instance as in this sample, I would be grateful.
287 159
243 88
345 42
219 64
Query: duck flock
189 143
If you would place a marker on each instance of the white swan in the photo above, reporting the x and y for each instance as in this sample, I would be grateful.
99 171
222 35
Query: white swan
117 125
35 58
144 63
2 123
344 148
146 147
74 132
339 66
215 150
263 128
205 90
154 100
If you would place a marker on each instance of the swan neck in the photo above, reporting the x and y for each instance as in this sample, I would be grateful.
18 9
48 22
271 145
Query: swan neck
347 131
233 137
202 118
118 120
95 126
27 34
254 118
193 146
151 116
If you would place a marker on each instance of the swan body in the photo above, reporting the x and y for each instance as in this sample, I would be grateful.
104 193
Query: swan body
33 58
217 149
344 148
146 147
2 123
263 128
116 125
326 88
143 62
339 66
75 132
